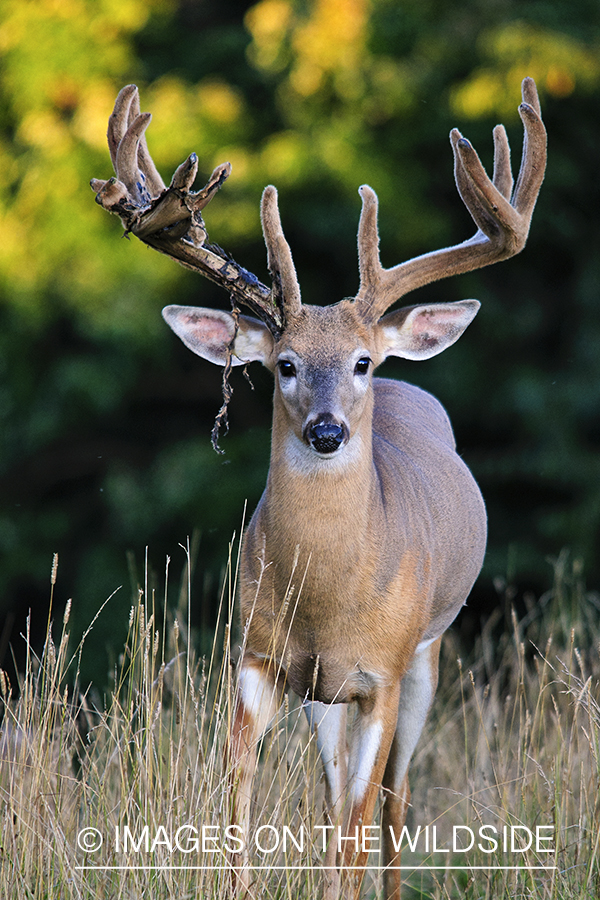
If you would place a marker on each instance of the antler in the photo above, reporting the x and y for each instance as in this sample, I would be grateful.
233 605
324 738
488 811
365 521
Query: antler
170 220
502 221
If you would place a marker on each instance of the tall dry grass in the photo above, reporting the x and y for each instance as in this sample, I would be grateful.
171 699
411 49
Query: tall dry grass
512 741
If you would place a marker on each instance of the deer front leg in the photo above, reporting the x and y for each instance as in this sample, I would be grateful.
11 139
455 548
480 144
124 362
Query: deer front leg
258 700
416 695
328 723
370 744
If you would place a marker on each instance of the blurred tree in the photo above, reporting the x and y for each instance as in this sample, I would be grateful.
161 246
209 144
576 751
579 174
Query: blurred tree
105 419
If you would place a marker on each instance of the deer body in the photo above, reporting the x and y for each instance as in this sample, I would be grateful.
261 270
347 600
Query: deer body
371 529
386 547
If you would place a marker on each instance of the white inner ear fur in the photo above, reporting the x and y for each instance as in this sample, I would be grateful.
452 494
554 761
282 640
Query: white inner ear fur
253 342
209 333
420 332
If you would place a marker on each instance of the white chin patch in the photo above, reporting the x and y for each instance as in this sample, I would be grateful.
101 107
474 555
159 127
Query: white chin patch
328 455
302 457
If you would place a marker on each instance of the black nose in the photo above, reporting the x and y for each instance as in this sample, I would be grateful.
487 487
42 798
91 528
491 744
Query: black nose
325 437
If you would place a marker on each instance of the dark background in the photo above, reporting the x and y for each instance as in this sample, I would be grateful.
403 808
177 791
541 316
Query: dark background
105 417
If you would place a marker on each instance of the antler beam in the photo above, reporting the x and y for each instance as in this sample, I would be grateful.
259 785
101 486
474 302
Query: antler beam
502 220
170 220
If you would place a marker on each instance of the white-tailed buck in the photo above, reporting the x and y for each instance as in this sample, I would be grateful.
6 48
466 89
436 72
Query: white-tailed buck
371 529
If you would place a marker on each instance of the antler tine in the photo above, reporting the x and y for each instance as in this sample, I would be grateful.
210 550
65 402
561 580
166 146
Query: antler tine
286 290
372 273
170 220
502 220
118 121
533 163
502 177
127 167
154 183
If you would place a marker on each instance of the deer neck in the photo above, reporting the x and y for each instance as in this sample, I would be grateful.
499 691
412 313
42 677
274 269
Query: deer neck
312 497
321 526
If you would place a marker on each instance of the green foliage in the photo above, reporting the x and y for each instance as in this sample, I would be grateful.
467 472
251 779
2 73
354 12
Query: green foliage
105 421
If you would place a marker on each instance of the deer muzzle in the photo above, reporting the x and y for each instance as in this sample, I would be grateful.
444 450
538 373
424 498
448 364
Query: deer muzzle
326 436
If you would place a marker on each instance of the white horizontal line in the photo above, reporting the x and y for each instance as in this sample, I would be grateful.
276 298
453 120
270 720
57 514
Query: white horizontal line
315 868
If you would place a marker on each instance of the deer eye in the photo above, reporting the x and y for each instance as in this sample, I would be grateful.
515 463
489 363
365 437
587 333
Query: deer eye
362 366
286 368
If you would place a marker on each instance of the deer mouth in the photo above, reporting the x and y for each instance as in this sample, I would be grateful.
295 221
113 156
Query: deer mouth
326 436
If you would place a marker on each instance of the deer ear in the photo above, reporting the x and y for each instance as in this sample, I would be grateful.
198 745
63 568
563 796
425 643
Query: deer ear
209 333
419 332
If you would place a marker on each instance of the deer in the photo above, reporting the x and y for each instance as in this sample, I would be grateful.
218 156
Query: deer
371 530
